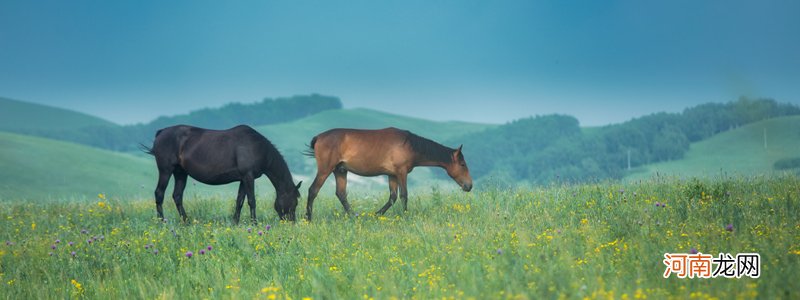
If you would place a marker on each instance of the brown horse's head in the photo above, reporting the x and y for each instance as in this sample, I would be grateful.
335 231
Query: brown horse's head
457 169
286 202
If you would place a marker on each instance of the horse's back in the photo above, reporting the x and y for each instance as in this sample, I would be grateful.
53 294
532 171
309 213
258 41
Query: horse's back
213 156
178 135
345 138
364 152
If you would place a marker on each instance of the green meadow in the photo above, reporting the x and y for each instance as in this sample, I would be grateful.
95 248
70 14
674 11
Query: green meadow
597 241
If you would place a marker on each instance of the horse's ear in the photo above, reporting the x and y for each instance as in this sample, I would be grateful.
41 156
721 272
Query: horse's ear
456 154
297 187
458 150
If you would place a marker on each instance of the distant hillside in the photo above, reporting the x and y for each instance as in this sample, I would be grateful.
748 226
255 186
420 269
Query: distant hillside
66 125
26 117
739 151
36 168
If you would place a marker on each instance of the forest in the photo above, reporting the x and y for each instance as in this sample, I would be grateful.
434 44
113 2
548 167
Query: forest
549 148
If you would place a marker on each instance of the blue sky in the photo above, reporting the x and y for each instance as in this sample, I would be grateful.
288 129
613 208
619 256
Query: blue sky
483 61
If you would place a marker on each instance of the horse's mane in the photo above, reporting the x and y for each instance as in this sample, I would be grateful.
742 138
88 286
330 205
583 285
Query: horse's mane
278 165
428 149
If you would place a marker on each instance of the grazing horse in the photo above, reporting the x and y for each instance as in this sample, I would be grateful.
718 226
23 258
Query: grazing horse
218 157
388 151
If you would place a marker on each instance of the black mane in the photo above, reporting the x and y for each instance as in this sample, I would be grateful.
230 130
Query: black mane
428 149
279 174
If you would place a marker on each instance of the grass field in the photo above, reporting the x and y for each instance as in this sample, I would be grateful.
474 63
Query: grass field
739 151
562 241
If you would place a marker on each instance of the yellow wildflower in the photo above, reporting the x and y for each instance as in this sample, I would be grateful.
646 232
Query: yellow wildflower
270 289
77 285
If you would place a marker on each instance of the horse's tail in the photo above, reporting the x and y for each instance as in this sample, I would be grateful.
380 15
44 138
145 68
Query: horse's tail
146 149
149 150
310 151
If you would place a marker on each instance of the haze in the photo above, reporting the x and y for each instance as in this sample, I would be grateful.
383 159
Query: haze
603 62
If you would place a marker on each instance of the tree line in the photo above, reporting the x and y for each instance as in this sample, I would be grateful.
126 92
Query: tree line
554 147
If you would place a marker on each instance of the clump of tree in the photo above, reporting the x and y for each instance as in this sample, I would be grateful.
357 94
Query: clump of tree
268 111
546 148
787 163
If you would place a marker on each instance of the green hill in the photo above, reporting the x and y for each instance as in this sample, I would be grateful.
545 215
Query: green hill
19 116
37 169
738 151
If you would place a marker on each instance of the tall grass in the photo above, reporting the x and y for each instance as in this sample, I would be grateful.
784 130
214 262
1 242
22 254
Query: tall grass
562 241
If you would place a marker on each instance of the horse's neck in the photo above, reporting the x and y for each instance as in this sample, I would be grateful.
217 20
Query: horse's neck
422 162
280 177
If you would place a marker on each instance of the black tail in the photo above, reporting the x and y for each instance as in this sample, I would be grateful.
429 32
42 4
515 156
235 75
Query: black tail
310 151
149 150
146 149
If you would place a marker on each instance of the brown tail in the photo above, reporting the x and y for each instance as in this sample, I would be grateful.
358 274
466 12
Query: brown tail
310 151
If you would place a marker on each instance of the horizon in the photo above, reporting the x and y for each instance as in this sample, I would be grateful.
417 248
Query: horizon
444 61
345 107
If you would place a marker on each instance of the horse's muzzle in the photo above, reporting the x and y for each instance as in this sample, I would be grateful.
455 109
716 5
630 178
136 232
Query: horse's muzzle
466 187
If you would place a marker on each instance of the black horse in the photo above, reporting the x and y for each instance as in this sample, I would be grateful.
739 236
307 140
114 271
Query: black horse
218 157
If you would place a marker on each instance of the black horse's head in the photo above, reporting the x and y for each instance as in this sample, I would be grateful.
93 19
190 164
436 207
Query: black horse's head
286 202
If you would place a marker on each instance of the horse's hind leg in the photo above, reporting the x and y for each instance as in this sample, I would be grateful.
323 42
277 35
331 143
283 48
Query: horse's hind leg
402 180
177 193
239 203
163 181
250 190
313 190
392 195
341 187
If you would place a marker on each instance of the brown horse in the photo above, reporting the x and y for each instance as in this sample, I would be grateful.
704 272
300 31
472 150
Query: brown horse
388 151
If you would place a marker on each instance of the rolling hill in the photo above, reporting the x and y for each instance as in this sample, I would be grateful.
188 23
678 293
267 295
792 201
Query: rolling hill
19 116
739 151
36 168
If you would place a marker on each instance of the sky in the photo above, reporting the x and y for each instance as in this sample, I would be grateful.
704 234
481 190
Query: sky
480 61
